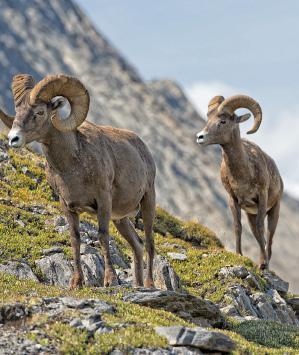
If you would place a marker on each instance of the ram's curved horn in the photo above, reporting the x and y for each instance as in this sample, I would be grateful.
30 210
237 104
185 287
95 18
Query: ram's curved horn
68 87
22 84
214 103
231 104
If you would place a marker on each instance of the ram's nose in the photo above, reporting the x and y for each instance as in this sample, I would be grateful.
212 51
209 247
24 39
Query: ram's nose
15 139
200 137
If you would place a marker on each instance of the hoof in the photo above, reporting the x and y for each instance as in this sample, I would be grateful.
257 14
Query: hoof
111 279
76 281
149 283
263 266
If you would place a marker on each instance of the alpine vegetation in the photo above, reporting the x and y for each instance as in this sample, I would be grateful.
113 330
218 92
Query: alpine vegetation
96 169
248 174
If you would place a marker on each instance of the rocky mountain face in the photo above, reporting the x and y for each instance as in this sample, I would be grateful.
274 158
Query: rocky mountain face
41 37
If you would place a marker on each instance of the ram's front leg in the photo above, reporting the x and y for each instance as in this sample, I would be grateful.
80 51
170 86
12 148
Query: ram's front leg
236 212
104 214
77 277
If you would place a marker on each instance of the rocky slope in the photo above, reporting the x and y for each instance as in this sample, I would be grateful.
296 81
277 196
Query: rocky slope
200 285
43 36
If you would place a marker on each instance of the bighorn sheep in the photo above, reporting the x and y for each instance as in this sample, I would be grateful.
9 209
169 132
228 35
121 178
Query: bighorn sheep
96 169
248 174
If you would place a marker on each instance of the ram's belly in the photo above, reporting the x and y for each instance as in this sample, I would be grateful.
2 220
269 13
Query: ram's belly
250 209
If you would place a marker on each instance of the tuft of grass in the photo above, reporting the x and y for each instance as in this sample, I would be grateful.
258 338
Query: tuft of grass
23 235
196 233
268 333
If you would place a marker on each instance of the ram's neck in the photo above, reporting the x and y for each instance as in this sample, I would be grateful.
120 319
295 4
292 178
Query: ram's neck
235 157
61 150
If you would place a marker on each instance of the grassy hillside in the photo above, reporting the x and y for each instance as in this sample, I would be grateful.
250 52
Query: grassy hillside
27 209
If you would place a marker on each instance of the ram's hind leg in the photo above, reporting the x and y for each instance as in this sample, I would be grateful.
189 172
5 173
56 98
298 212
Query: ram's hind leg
252 220
126 229
148 205
273 216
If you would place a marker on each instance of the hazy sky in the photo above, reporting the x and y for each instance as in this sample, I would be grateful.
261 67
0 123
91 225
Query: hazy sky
218 47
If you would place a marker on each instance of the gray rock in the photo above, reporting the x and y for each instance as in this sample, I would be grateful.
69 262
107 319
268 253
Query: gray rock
93 269
56 269
294 303
252 282
60 221
71 302
237 271
276 282
230 310
52 250
180 350
116 255
20 269
177 256
197 337
241 301
165 277
191 308
3 155
12 312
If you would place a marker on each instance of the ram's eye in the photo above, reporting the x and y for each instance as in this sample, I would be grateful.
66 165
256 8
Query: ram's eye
40 113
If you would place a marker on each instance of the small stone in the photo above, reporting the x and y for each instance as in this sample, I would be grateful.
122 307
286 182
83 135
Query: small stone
165 277
20 223
76 323
60 221
177 256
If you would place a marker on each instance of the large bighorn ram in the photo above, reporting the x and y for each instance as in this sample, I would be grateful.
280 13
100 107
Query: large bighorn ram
248 174
102 170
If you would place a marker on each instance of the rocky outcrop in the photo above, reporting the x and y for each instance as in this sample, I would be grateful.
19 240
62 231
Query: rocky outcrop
252 300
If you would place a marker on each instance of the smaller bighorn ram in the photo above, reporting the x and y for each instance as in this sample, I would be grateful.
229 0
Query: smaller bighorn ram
96 169
248 174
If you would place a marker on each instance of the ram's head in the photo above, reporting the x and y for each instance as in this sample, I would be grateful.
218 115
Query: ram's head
37 107
223 121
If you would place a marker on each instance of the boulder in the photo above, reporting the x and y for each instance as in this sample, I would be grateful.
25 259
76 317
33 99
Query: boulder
20 269
198 337
56 269
186 306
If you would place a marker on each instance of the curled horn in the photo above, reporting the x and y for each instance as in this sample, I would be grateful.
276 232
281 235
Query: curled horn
214 103
231 104
68 87
22 84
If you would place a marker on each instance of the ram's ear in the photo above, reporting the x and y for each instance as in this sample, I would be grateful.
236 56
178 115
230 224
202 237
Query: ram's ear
58 103
243 118
7 120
